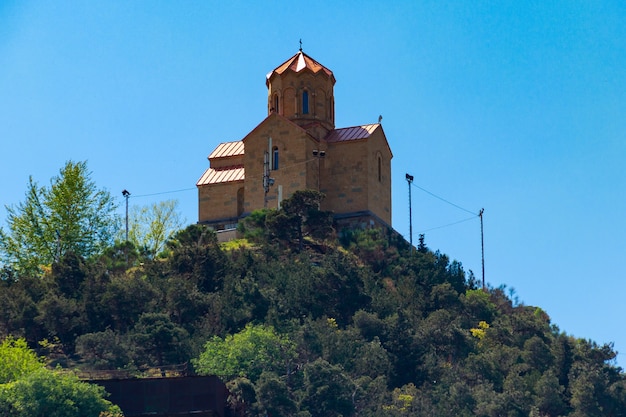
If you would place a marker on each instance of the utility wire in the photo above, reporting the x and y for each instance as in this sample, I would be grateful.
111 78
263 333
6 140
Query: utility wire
164 192
443 199
449 224
194 188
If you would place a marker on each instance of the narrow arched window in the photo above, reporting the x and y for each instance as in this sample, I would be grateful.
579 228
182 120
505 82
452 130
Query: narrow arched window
380 169
276 103
305 102
275 158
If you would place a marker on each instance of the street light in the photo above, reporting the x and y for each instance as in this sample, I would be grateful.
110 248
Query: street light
126 194
409 180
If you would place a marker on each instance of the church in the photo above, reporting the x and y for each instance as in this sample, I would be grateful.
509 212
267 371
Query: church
297 147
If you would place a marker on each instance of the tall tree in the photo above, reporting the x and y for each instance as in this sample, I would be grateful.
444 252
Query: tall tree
300 215
151 226
159 341
194 254
72 214
328 390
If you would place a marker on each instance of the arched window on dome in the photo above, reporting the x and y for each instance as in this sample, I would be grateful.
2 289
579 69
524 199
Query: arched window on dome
305 102
276 109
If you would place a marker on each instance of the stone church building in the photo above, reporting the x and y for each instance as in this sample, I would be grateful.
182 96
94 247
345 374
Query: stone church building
296 147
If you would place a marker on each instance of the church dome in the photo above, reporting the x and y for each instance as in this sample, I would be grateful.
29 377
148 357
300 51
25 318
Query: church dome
300 62
301 89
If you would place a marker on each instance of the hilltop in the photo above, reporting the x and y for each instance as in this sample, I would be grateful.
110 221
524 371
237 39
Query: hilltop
301 321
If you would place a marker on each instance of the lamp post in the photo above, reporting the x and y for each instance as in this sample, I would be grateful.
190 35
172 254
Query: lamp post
126 194
409 180
482 245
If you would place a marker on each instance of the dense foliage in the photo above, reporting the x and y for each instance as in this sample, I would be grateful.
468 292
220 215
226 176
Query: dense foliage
149 227
28 389
71 215
308 325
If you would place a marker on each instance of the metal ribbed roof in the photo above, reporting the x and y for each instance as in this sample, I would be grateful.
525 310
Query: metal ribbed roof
351 133
227 149
222 175
298 62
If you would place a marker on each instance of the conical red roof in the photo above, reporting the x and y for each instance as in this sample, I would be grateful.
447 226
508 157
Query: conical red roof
300 62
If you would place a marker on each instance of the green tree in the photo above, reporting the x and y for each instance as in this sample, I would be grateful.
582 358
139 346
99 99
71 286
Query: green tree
159 341
17 360
273 395
253 226
246 354
103 350
242 397
299 215
403 402
328 390
61 317
27 388
194 254
151 226
51 394
69 274
549 395
72 214
123 301
18 307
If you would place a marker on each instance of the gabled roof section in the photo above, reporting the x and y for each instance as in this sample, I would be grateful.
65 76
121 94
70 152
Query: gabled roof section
221 175
227 149
300 62
282 118
351 133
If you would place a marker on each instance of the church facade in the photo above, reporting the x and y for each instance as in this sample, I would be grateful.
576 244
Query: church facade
297 147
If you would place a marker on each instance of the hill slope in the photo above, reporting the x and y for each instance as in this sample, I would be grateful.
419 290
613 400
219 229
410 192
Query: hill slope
363 327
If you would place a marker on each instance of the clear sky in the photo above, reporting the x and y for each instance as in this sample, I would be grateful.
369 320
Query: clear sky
517 107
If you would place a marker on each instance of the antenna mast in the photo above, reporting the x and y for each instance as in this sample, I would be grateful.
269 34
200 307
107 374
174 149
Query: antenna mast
267 181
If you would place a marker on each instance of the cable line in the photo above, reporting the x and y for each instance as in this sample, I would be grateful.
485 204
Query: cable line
164 192
194 188
449 224
444 200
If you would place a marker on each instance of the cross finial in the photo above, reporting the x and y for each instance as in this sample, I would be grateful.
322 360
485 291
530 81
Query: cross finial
300 45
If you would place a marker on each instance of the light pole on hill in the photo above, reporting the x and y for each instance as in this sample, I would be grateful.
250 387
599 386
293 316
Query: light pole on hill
126 194
409 180
482 244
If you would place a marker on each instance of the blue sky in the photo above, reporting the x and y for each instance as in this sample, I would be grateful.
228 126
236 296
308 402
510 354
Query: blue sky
514 107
